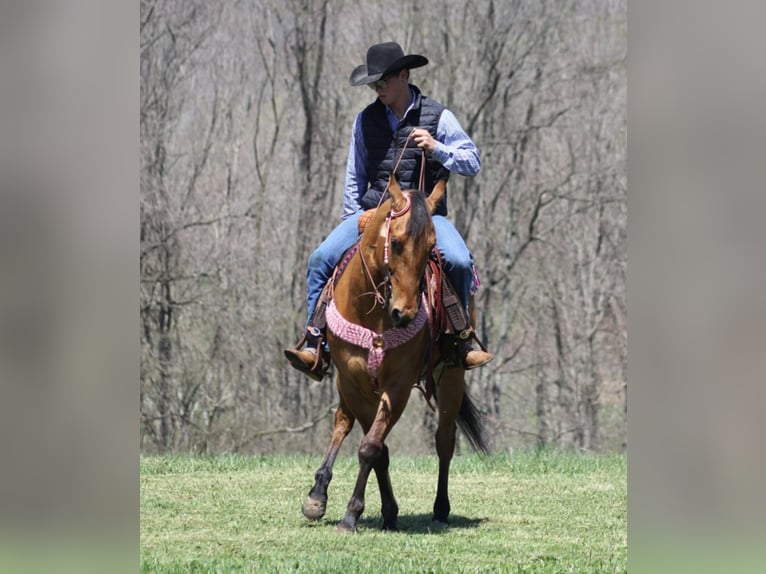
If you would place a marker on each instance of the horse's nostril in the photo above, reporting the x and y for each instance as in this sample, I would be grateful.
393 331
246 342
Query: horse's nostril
400 319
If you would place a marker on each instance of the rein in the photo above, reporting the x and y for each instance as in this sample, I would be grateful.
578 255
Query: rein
381 298
422 180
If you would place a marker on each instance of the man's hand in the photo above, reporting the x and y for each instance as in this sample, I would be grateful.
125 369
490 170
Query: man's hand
423 139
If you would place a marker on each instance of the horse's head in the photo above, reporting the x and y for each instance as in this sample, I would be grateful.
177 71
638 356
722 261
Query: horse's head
406 229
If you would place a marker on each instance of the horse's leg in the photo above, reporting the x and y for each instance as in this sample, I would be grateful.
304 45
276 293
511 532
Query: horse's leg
373 453
315 504
449 396
389 508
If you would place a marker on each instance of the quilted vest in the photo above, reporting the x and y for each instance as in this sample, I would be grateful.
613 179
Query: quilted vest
384 149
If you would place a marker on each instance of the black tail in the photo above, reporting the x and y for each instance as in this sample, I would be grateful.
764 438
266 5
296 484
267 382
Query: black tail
471 422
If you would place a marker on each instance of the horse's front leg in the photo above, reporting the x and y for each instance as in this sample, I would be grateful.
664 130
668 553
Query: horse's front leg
315 505
388 507
373 453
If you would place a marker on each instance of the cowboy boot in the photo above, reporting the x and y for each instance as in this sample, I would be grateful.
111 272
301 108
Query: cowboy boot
458 348
473 358
461 321
309 361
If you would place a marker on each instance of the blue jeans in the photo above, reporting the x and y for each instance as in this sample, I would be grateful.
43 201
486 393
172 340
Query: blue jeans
457 260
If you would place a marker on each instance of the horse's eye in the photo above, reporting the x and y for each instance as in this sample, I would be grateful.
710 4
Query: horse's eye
396 246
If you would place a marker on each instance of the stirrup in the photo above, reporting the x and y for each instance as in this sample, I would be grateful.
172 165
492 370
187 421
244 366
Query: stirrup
321 364
317 371
456 346
464 347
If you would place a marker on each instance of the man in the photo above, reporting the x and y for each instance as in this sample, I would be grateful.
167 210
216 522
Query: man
400 115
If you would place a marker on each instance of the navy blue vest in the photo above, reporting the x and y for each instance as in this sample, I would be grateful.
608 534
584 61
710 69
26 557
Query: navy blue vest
384 149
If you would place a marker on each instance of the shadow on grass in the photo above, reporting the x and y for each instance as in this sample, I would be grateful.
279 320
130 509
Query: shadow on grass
414 523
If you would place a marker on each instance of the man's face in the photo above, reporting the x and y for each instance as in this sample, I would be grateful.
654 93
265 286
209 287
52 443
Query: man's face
388 86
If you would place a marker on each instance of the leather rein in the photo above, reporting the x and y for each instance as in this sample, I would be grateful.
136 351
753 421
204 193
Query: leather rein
382 298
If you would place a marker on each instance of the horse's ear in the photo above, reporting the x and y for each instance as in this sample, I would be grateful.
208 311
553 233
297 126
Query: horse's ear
436 195
396 192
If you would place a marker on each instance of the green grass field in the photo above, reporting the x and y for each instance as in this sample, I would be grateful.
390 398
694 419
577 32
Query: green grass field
530 512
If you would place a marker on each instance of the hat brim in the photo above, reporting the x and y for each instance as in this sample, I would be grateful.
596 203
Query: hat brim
360 77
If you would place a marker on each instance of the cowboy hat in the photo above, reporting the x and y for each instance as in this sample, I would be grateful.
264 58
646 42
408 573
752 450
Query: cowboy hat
384 59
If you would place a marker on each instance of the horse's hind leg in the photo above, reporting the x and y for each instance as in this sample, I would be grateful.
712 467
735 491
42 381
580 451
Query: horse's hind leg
315 504
449 397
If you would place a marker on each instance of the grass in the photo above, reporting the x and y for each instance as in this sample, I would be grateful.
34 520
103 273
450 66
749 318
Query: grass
531 512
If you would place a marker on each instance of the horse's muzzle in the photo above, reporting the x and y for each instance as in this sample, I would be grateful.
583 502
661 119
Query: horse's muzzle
401 318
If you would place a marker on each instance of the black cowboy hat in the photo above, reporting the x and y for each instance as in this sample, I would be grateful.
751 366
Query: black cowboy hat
384 59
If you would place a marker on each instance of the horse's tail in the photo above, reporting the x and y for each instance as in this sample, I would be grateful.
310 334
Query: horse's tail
471 422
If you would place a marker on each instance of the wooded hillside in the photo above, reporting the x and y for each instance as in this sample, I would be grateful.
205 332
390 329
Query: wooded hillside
245 119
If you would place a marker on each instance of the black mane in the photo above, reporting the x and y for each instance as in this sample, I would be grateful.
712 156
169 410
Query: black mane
419 215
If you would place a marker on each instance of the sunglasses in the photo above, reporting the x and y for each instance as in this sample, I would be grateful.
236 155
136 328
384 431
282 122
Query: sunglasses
380 84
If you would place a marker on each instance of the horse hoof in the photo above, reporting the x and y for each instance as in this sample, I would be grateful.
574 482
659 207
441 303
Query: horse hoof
345 528
314 509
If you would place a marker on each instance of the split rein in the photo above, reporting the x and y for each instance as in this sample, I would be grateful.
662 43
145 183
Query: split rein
382 298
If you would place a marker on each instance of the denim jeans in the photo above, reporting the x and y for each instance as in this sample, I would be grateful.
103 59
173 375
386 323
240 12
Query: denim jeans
457 260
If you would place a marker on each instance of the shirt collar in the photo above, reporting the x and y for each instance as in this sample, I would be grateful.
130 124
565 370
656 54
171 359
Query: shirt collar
391 116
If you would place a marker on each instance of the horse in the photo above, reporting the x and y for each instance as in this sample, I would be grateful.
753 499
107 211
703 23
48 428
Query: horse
378 341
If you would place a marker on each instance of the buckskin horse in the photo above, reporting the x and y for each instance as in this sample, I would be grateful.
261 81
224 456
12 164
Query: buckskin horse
378 343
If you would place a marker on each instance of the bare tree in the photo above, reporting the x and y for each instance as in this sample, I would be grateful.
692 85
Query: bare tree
245 121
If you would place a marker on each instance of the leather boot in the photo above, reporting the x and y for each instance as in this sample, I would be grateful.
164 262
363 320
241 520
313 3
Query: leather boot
306 360
473 358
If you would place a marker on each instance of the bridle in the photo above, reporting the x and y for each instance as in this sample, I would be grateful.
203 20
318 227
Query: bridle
383 298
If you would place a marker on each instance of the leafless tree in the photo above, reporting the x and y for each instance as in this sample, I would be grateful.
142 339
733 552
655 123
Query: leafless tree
245 116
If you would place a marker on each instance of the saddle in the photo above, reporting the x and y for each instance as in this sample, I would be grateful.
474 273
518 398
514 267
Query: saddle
449 323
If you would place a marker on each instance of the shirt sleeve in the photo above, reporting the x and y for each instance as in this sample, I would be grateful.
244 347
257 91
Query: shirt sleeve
454 149
356 171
